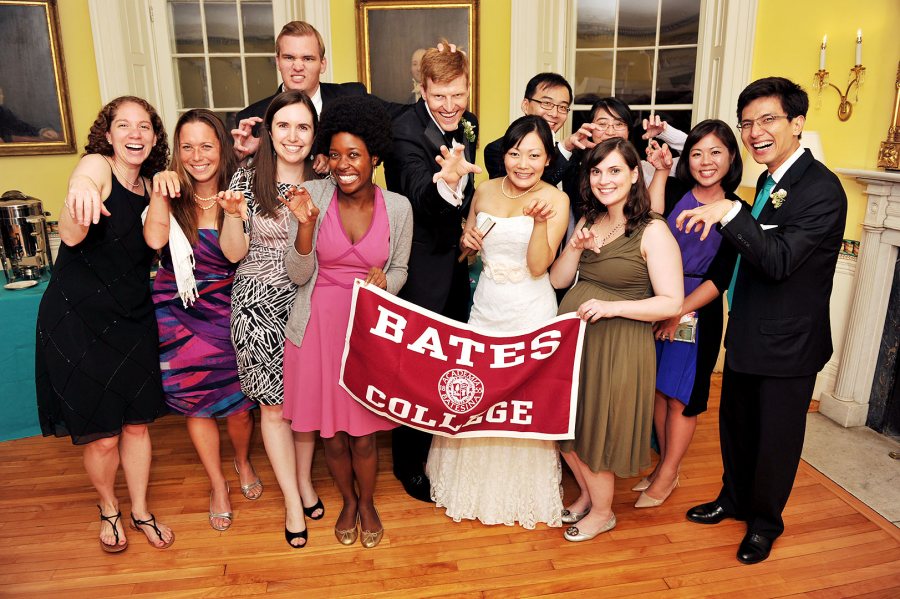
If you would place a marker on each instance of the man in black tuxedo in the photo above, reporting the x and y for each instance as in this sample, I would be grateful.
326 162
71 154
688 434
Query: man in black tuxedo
300 57
549 96
433 165
778 335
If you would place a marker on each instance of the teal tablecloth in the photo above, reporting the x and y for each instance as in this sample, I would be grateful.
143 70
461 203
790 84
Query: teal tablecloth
18 408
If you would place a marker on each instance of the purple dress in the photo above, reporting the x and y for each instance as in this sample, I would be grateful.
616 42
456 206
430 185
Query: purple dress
313 399
677 360
199 370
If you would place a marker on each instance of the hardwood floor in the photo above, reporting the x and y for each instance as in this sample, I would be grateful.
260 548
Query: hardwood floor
833 546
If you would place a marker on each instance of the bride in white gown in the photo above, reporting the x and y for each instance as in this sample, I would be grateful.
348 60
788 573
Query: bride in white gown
501 480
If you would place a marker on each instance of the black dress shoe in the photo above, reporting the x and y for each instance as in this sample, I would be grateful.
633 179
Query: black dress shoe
754 548
708 513
418 487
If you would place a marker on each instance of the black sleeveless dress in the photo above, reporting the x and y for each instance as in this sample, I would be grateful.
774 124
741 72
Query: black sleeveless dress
97 357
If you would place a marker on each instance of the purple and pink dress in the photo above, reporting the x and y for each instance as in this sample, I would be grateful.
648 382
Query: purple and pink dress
199 370
313 399
677 360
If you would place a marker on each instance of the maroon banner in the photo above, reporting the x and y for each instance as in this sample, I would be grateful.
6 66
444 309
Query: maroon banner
447 378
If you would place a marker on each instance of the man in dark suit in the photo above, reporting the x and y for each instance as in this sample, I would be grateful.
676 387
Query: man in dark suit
549 96
300 57
778 335
433 165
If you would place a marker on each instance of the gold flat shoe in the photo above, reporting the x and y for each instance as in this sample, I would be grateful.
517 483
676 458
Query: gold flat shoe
643 485
576 536
371 538
348 536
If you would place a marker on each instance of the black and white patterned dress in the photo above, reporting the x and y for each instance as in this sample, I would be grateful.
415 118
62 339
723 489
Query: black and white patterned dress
261 299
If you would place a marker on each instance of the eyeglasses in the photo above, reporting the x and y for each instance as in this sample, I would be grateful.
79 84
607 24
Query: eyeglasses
615 125
548 106
765 121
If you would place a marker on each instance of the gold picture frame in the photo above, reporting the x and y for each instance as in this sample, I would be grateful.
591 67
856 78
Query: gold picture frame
388 32
35 115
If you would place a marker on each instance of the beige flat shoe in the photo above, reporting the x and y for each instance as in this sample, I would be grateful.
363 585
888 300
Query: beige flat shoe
576 536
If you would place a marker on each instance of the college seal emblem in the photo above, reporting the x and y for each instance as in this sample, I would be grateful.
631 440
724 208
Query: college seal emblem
460 390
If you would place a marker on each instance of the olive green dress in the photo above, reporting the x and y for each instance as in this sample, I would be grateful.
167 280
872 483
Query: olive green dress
618 362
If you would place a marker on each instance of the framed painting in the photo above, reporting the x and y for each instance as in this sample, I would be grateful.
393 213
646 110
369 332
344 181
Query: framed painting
392 35
35 116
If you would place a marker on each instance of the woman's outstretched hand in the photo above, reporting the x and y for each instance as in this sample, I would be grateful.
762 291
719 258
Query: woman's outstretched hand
301 205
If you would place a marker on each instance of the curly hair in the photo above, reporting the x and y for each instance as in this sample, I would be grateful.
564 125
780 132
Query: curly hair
362 116
637 205
183 208
97 143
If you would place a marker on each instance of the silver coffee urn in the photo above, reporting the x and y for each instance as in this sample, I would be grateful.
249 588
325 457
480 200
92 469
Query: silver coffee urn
24 243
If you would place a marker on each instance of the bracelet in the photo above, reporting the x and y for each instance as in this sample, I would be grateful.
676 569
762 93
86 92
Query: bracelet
238 215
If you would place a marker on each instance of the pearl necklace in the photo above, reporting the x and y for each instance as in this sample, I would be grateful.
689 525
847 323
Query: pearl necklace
611 233
200 202
527 191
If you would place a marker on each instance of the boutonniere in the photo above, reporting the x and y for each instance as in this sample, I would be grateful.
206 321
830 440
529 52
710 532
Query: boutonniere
468 130
778 198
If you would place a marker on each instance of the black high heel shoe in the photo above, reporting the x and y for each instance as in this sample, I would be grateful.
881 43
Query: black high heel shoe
308 511
290 536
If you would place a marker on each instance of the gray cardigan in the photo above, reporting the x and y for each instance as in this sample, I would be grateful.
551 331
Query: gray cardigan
303 270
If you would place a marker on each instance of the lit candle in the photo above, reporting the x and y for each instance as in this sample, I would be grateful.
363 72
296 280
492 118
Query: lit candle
822 53
859 47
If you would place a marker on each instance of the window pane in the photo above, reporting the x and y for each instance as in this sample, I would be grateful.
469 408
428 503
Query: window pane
227 86
679 22
596 22
227 117
222 26
593 76
637 23
257 20
191 73
186 32
675 77
679 119
261 79
634 76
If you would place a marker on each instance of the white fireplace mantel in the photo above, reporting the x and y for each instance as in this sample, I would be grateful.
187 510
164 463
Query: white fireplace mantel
848 403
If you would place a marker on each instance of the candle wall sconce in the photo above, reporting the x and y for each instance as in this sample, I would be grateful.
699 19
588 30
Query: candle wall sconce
857 76
845 108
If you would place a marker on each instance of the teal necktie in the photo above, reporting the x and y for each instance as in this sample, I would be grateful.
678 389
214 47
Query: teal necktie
761 198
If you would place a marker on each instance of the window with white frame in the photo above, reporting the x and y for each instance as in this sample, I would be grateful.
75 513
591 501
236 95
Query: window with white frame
643 52
222 54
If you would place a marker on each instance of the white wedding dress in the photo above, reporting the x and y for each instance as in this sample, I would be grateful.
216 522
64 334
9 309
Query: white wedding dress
501 480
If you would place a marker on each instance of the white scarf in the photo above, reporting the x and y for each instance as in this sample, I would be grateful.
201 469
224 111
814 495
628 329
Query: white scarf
182 261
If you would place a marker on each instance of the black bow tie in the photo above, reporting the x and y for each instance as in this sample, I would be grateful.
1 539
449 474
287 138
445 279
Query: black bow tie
451 136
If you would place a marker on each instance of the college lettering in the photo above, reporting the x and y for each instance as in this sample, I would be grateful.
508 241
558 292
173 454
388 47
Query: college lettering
391 326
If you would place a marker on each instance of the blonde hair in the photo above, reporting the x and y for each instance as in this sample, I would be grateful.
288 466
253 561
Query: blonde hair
443 66
300 29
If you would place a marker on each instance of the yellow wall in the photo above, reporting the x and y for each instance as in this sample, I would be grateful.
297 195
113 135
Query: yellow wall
494 40
787 44
45 177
